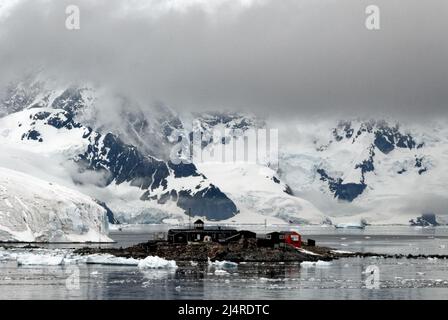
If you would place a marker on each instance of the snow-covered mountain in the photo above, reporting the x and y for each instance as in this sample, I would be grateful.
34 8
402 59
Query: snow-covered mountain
256 189
55 133
377 170
117 150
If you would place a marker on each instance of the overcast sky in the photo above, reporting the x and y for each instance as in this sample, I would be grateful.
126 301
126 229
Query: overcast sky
282 57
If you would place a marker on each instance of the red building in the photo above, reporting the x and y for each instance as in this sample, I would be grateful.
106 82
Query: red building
282 238
292 238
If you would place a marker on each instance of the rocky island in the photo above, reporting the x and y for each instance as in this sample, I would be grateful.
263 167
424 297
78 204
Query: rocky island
201 244
241 251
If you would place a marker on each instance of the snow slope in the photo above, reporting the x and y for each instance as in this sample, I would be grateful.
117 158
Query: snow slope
32 209
254 190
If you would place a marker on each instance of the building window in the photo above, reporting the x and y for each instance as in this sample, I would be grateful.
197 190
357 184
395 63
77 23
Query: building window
295 238
198 237
282 237
268 237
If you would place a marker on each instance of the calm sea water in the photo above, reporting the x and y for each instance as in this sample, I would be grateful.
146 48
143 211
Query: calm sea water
343 279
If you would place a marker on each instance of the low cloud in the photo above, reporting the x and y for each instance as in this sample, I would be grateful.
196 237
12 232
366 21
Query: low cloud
284 58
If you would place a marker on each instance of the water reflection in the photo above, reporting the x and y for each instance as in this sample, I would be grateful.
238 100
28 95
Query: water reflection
344 279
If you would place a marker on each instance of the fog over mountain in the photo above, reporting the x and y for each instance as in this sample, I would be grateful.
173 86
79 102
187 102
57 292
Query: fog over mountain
299 58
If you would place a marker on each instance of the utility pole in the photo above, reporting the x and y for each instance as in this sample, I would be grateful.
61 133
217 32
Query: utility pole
189 218
99 234
100 227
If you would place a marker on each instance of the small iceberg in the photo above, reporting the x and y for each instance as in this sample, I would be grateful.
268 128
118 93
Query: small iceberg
154 262
39 260
39 257
351 225
194 263
222 264
44 257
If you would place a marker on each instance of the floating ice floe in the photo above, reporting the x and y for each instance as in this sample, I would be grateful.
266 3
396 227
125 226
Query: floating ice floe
39 260
318 263
220 272
43 257
341 251
37 257
108 259
3 254
222 264
153 262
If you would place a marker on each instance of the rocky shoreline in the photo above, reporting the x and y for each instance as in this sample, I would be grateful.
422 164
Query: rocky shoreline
242 251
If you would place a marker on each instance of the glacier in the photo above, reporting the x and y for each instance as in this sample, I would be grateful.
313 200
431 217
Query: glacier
34 210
